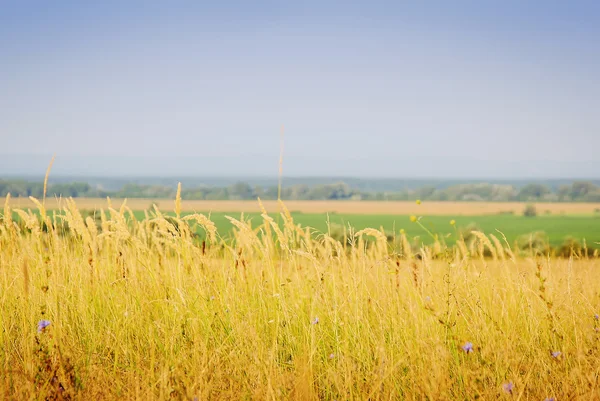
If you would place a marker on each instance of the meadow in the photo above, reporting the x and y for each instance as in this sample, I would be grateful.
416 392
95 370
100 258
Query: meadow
556 223
344 207
136 308
515 228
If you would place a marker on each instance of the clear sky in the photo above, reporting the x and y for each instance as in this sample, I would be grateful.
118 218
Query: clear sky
371 88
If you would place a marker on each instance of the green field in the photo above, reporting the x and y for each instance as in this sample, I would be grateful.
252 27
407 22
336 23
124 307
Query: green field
557 228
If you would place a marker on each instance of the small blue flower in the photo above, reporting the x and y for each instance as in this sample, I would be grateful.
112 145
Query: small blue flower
508 387
468 347
556 354
42 324
316 321
549 399
597 317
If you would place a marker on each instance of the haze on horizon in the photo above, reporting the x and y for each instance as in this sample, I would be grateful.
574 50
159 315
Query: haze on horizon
457 90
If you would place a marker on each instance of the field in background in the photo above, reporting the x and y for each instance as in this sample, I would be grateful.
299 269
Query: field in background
342 207
557 221
556 228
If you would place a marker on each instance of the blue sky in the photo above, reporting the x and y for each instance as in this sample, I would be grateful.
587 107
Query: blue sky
414 89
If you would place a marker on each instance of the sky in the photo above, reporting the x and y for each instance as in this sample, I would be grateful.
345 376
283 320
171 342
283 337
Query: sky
444 89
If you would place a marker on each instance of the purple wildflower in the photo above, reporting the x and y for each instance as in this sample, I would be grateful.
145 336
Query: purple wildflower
331 356
42 324
508 387
316 321
597 317
550 399
468 347
556 354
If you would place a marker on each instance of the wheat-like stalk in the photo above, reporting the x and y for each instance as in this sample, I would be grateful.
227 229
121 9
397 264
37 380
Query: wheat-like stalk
206 223
43 209
508 249
499 248
178 201
7 212
484 240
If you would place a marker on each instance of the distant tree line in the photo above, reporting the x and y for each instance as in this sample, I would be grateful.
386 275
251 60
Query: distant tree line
577 191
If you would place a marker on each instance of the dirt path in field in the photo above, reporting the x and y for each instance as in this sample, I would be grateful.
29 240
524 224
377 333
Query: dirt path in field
342 207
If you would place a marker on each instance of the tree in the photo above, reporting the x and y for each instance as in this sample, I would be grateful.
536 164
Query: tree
241 190
530 211
579 189
533 192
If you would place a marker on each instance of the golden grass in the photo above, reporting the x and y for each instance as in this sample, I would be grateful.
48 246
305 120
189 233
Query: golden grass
139 310
343 207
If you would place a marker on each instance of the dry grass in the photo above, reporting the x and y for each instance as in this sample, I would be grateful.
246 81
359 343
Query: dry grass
343 207
139 310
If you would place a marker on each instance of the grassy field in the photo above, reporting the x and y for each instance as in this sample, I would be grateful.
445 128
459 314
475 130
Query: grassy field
557 228
558 221
139 310
342 207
